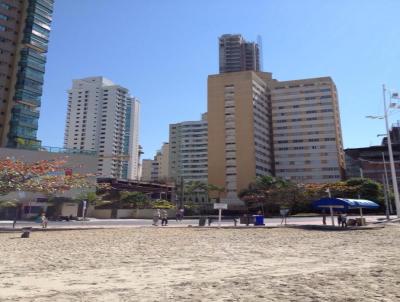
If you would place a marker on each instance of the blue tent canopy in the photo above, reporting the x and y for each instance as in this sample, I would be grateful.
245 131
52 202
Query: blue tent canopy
344 203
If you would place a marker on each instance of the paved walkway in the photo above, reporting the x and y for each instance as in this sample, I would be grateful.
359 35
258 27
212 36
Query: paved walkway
131 223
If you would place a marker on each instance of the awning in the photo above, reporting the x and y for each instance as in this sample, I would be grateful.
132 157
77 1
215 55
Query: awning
344 203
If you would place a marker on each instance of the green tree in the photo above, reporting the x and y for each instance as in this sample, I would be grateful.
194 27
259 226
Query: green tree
270 194
134 199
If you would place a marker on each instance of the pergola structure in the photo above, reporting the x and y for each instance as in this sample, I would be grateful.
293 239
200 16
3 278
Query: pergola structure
344 204
154 190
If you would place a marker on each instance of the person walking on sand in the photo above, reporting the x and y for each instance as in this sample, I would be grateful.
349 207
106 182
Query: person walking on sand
323 217
156 217
164 217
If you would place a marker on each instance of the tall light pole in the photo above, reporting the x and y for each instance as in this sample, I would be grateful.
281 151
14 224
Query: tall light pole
391 159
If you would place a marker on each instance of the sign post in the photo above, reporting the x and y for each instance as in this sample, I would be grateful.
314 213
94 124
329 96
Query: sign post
220 207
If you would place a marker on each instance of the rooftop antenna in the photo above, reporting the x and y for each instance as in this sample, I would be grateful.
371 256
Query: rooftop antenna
260 51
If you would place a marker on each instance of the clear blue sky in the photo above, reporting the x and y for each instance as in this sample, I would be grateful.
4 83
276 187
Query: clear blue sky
163 51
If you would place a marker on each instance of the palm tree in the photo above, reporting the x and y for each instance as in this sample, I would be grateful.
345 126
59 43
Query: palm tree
205 188
217 189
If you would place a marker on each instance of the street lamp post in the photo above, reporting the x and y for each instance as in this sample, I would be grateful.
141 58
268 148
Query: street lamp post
389 143
391 159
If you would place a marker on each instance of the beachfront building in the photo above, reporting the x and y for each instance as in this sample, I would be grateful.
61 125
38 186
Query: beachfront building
259 126
307 136
236 54
162 159
157 169
130 165
103 117
24 38
372 162
189 157
188 160
239 130
147 167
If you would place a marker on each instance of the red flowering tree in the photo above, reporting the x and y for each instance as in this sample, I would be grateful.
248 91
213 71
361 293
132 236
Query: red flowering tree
46 176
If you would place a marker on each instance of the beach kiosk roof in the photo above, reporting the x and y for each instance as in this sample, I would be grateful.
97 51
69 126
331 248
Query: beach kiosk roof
344 204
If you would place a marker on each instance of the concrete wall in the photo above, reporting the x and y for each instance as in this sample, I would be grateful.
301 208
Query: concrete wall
100 214
69 208
148 213
127 213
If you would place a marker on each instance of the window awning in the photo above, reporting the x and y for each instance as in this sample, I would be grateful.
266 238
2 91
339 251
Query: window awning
344 203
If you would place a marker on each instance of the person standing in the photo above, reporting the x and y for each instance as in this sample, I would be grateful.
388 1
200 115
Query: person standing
344 220
164 217
339 219
156 217
44 221
178 215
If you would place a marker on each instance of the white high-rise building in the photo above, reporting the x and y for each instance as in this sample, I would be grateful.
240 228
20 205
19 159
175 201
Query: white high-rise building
103 117
188 156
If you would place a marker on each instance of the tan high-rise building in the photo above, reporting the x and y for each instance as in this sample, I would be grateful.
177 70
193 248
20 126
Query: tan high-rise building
163 163
157 169
260 126
239 130
308 146
147 165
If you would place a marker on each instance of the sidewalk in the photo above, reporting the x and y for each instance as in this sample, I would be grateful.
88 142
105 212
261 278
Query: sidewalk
135 223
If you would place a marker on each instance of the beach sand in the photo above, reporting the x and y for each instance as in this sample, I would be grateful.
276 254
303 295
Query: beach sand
191 264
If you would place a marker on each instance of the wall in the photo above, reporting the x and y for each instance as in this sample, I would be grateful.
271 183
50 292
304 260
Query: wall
127 213
69 208
100 214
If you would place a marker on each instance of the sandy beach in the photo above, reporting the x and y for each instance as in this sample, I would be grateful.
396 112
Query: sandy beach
191 264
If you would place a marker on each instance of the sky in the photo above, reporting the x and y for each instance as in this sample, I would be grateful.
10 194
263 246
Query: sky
163 51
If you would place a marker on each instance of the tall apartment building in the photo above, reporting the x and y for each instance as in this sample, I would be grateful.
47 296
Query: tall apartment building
239 129
307 135
147 167
24 38
103 117
188 151
236 54
261 126
157 169
130 166
163 162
